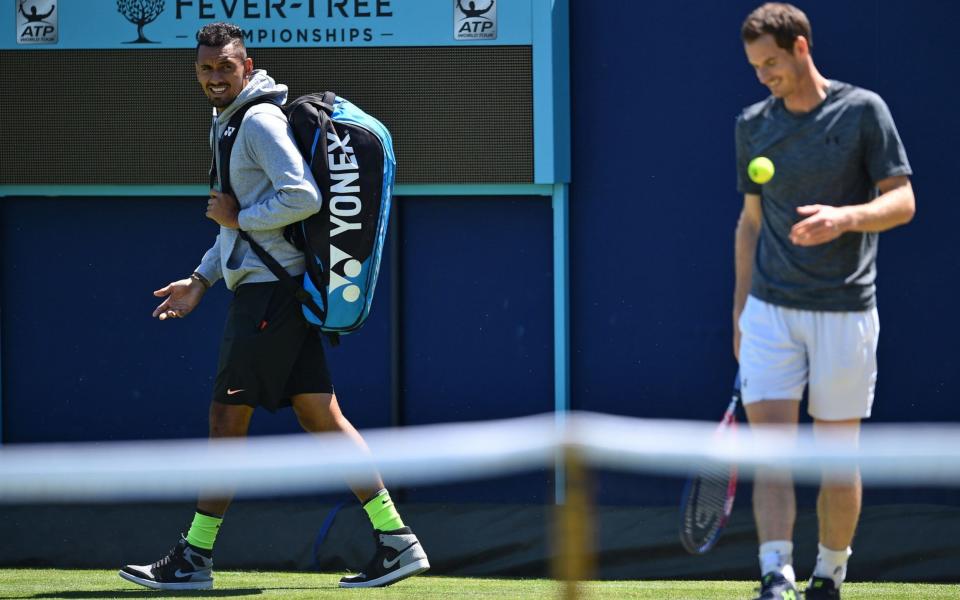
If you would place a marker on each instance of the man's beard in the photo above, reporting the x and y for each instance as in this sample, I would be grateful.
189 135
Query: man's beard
220 103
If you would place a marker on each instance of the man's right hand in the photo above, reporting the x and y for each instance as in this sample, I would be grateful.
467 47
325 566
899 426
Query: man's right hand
181 298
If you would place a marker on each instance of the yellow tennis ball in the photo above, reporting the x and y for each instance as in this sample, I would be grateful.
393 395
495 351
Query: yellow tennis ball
760 170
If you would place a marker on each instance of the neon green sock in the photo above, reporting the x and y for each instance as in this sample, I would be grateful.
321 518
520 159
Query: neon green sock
203 531
383 514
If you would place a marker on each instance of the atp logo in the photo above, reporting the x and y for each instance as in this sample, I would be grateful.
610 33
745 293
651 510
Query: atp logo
475 20
37 22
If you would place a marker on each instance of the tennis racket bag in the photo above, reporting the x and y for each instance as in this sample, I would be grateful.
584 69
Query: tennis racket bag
350 154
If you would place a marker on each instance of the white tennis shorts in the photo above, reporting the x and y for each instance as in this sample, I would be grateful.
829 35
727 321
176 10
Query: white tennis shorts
783 350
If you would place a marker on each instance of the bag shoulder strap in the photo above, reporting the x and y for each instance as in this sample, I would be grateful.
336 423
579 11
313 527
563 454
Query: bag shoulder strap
220 173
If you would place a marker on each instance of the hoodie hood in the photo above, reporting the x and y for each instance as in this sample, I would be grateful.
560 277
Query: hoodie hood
260 85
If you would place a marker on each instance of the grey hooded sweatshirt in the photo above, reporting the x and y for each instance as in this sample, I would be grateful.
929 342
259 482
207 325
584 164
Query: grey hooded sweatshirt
272 183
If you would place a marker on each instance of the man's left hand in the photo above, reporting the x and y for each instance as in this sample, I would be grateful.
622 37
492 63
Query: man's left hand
224 209
822 224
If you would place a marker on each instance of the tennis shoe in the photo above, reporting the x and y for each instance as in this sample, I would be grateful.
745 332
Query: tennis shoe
821 588
774 586
399 555
183 568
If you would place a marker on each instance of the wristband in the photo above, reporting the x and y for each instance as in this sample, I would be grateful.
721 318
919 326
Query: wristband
203 280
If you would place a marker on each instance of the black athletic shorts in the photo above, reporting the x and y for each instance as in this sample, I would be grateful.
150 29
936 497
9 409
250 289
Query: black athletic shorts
269 352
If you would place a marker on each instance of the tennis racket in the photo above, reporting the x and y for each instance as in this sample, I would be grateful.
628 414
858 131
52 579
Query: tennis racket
708 495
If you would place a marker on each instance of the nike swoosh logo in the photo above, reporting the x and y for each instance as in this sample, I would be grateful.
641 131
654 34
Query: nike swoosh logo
389 564
180 574
232 392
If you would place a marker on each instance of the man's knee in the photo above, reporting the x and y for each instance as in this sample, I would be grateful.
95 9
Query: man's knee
227 420
317 412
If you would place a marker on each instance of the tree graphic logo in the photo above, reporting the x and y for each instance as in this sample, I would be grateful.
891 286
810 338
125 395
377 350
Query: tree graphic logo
140 12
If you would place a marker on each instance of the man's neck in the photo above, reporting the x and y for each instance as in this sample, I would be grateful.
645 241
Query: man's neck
811 92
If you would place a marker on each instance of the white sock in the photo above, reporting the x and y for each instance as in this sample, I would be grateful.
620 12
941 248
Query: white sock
777 556
832 564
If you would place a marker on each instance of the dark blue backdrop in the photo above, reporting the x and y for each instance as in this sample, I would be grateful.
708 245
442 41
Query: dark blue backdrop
655 90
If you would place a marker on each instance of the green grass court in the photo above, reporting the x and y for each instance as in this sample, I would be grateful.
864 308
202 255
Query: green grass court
80 584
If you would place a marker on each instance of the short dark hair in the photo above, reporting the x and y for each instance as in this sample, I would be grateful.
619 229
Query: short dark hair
218 35
785 22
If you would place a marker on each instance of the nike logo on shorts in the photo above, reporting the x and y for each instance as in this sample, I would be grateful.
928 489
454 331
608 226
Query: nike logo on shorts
232 392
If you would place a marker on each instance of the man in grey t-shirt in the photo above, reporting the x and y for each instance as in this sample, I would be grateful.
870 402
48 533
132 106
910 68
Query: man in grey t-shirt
804 309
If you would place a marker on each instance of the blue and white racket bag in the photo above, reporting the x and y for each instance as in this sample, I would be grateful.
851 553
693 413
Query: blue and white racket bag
350 154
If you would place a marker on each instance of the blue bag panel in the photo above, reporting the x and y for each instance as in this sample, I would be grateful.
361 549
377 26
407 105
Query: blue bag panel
349 294
345 111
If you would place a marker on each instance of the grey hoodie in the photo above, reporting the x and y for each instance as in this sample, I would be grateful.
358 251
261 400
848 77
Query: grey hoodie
273 185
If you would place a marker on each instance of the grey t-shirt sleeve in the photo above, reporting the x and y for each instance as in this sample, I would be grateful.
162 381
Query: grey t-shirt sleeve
884 153
744 184
269 141
209 265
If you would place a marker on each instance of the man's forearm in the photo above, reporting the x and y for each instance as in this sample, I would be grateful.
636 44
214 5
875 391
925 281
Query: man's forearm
745 248
888 210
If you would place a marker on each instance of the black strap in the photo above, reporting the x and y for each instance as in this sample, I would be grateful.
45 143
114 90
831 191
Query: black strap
222 175
329 99
291 284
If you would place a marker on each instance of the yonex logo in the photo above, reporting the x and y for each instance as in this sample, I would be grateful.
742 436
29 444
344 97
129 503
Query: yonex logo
344 182
229 131
351 269
345 204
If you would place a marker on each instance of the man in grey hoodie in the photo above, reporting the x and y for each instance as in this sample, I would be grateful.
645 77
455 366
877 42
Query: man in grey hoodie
269 355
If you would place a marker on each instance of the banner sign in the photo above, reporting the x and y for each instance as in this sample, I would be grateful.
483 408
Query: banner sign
138 24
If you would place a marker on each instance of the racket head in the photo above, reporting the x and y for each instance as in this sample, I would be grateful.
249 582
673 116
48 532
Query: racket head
708 494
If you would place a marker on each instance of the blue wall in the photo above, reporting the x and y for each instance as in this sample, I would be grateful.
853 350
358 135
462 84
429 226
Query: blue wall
655 90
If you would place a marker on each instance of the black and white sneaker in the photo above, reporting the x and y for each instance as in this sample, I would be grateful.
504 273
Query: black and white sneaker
774 586
183 568
399 555
821 588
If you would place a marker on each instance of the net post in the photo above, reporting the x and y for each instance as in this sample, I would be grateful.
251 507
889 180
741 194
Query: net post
573 552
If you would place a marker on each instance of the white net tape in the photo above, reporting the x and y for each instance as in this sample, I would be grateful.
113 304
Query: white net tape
908 455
